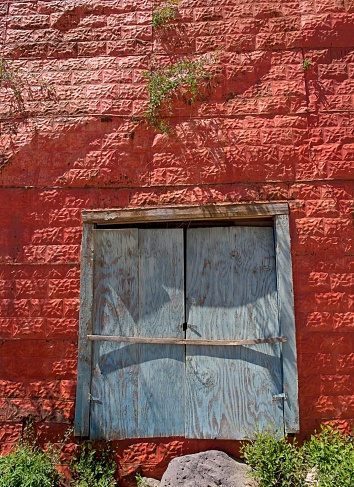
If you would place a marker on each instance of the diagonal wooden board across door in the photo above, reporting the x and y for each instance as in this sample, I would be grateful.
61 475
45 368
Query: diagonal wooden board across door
231 293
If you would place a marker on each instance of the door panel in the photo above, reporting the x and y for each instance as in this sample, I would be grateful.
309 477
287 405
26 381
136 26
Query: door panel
161 305
231 294
142 390
138 291
114 387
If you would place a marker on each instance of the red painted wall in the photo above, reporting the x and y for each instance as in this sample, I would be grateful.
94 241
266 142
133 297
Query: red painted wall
267 130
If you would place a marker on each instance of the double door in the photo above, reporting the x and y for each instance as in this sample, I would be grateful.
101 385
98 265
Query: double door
184 285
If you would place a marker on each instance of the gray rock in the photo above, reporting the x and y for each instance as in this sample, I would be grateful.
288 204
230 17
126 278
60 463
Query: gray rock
212 468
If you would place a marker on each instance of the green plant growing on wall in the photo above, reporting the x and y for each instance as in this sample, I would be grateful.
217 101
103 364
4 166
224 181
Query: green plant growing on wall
18 88
19 85
306 64
164 83
164 14
11 80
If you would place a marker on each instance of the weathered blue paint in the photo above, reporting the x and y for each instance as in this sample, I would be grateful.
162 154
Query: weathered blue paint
231 294
82 409
114 408
138 291
287 322
161 306
145 390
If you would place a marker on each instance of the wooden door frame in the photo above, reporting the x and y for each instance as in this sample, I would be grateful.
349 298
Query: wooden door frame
279 212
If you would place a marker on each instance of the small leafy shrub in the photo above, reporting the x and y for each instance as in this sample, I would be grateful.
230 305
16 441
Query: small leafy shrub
164 14
164 83
275 462
93 467
28 466
328 455
331 453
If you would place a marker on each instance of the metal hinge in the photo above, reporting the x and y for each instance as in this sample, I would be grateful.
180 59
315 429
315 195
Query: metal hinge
282 395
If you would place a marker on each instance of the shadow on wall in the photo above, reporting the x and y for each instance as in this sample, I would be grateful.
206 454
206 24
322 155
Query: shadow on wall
216 140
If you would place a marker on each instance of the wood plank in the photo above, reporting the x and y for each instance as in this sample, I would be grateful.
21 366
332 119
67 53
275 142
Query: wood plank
231 292
161 306
211 212
114 412
176 341
287 322
82 409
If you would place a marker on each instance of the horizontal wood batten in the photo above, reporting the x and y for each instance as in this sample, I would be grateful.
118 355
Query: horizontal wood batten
177 341
212 212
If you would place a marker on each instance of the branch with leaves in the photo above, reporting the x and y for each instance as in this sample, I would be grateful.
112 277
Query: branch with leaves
165 83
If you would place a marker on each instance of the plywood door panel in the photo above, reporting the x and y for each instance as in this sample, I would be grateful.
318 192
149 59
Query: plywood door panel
161 304
138 390
231 294
139 292
114 388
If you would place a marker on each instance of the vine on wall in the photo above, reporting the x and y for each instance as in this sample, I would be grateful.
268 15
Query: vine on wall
20 87
164 83
184 78
164 14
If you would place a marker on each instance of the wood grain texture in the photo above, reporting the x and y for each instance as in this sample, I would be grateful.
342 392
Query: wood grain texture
220 382
212 212
287 322
231 293
176 341
114 412
161 306
82 410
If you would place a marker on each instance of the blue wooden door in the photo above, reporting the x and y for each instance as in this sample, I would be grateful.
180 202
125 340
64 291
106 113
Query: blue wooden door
232 294
150 390
138 292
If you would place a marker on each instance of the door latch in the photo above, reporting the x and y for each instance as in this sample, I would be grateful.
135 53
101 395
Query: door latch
282 395
91 398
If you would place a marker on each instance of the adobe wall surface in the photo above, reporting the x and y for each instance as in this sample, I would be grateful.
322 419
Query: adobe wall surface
266 130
